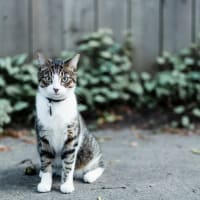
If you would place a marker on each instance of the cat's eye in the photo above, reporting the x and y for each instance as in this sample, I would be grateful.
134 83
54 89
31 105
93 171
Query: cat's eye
48 79
65 78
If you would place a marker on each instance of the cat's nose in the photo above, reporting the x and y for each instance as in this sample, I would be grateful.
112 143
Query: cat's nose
56 90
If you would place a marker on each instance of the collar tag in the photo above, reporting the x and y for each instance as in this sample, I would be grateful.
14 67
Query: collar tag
50 104
50 108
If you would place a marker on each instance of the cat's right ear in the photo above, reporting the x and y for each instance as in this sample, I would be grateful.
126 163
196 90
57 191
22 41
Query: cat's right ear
41 59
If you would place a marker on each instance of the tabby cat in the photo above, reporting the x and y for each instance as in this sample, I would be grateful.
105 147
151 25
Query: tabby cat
62 137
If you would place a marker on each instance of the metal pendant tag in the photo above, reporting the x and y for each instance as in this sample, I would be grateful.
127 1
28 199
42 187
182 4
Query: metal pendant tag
50 108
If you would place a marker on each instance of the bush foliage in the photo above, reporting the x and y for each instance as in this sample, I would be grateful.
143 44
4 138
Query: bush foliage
105 78
18 83
177 85
104 71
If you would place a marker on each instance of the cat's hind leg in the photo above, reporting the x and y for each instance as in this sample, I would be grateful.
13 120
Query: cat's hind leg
91 171
89 165
93 175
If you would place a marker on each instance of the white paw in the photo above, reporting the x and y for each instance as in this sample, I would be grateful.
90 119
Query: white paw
67 188
42 187
93 175
89 179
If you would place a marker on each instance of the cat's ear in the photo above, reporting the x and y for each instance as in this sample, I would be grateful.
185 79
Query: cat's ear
41 59
72 63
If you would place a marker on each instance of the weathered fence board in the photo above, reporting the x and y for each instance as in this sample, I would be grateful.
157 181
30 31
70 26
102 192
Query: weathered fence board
113 14
145 29
197 19
177 24
78 19
14 27
47 26
55 25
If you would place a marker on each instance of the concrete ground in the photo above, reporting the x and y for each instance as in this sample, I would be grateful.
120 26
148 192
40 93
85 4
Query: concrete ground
140 166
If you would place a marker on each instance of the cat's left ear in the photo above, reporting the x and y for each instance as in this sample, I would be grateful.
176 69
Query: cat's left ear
72 63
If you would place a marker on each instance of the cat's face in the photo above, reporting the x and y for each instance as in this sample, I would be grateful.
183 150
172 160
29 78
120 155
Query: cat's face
57 79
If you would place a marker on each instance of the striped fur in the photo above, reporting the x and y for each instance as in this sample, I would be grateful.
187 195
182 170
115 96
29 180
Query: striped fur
62 138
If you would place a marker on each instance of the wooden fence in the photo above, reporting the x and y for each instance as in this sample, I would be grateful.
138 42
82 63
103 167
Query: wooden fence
54 25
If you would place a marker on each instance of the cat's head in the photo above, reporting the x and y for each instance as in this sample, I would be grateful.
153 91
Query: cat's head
57 78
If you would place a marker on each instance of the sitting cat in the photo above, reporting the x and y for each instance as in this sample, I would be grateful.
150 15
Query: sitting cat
62 136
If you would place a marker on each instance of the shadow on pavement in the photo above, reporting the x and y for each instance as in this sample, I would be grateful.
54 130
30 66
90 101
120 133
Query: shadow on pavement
14 178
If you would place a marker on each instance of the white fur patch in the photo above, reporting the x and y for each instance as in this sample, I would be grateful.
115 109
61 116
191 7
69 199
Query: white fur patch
67 187
80 172
45 183
93 175
63 113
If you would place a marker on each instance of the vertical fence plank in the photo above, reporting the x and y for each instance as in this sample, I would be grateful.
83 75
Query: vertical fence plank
113 14
177 19
78 19
47 26
14 37
197 19
56 25
145 29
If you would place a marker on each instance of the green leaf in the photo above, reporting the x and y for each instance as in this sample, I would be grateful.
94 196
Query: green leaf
21 59
189 61
106 40
8 65
136 88
185 121
145 76
2 81
113 95
150 85
105 79
179 109
82 107
196 112
93 44
20 106
160 60
13 90
162 92
105 54
83 47
99 99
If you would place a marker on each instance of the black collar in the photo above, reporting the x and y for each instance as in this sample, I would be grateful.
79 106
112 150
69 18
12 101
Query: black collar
54 100
50 104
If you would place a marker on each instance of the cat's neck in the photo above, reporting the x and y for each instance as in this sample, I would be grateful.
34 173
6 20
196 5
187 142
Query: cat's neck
64 111
69 102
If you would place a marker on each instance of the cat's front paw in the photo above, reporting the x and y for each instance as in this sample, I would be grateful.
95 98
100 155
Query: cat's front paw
43 187
67 188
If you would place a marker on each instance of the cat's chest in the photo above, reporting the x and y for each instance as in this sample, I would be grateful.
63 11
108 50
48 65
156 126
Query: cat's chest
55 123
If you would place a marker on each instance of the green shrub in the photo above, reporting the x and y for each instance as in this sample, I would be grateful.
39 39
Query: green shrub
104 71
103 78
106 81
5 110
18 82
176 86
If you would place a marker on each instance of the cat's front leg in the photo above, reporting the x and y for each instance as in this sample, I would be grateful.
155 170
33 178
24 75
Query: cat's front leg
46 157
68 163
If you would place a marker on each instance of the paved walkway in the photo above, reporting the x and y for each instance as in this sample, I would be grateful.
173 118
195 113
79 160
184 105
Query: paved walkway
140 166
